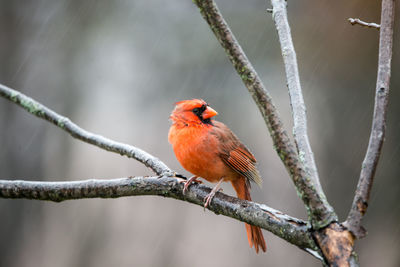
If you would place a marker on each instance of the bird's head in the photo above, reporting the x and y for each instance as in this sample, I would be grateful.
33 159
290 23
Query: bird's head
193 111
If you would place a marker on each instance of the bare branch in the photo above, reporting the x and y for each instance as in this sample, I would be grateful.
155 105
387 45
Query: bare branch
75 131
363 23
315 203
304 150
291 229
295 92
361 198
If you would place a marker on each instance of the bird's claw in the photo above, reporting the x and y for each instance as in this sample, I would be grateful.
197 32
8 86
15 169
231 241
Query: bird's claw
207 200
209 197
189 182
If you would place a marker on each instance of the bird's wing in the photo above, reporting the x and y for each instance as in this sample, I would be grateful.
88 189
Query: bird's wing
235 154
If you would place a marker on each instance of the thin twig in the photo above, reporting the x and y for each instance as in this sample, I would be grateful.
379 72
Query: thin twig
291 229
363 23
75 131
361 198
304 150
314 202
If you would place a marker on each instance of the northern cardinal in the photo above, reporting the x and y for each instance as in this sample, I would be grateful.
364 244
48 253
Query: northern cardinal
208 149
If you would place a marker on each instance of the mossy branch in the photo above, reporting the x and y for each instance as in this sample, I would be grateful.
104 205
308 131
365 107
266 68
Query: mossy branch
39 110
326 213
317 211
290 229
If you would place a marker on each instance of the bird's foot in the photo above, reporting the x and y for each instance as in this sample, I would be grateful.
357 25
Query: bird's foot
189 182
209 197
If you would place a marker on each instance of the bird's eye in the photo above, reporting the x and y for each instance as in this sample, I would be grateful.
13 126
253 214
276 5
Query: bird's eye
196 110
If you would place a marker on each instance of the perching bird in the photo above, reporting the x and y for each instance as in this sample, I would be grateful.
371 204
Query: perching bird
208 149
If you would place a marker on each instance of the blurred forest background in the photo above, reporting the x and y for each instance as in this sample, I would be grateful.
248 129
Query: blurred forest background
116 68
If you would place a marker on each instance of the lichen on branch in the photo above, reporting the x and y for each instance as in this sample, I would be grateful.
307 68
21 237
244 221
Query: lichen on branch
39 110
291 229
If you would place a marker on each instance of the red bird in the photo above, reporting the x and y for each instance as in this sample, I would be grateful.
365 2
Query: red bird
208 149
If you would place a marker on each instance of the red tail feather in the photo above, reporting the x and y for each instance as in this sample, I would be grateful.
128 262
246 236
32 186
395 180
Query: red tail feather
254 234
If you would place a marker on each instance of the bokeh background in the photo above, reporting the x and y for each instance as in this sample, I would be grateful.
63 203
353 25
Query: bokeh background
116 68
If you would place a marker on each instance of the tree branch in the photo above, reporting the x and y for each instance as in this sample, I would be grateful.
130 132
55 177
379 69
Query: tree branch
304 150
361 198
75 131
314 203
363 23
291 229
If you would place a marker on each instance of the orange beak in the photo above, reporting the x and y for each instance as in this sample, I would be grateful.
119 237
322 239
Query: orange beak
208 113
